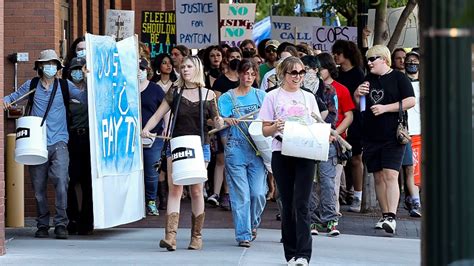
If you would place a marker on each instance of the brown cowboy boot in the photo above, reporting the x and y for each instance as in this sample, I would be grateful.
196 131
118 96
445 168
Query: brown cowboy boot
171 229
196 237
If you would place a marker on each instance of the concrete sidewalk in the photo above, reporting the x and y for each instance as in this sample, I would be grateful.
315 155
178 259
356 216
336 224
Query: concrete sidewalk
139 246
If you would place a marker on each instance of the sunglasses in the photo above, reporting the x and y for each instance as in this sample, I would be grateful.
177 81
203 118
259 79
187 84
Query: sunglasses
269 50
373 58
295 73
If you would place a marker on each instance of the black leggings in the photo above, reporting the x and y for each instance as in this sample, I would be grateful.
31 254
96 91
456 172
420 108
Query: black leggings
294 178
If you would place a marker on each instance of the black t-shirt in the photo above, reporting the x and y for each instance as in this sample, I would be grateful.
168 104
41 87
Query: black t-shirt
387 89
352 79
223 84
151 98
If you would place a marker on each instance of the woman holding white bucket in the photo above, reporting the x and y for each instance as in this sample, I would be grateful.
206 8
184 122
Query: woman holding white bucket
193 105
293 175
245 171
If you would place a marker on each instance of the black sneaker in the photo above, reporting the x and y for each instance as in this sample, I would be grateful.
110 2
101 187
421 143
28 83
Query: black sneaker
42 232
61 232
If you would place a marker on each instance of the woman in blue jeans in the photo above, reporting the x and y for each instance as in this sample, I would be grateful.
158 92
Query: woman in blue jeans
245 171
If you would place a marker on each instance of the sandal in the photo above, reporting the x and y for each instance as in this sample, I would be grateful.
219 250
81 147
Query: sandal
244 243
254 234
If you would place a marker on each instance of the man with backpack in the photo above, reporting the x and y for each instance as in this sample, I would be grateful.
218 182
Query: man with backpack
50 100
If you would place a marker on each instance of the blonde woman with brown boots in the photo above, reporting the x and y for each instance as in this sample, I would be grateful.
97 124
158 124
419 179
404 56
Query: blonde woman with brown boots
192 106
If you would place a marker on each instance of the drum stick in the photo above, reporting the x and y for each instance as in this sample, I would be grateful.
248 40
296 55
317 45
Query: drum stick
334 133
226 126
154 135
253 120
23 97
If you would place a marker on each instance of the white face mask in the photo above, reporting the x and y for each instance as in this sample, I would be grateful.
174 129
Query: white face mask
142 75
311 81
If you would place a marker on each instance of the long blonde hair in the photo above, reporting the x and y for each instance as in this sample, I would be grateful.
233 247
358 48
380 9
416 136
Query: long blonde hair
198 78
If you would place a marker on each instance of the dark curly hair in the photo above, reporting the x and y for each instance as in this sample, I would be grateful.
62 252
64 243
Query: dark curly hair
349 50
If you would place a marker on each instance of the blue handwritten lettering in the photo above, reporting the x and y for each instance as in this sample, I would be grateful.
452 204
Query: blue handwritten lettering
197 8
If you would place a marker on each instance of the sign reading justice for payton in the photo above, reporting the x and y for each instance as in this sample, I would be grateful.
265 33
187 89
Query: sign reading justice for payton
197 23
159 31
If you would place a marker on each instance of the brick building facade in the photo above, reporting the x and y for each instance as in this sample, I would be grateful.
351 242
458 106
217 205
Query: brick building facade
35 25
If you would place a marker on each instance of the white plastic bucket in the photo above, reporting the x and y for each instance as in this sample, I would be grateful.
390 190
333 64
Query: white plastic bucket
188 160
31 146
264 144
306 141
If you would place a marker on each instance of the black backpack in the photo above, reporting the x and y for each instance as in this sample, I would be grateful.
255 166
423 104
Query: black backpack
64 90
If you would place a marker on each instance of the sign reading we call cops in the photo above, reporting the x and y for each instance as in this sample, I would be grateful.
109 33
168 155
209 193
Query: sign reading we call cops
236 22
324 37
197 23
158 31
294 29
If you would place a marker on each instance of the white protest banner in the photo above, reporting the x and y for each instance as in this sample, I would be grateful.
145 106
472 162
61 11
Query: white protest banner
236 23
197 23
324 37
115 123
120 23
414 114
287 29
410 36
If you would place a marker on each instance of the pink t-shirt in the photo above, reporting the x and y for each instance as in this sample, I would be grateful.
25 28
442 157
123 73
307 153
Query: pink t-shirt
288 106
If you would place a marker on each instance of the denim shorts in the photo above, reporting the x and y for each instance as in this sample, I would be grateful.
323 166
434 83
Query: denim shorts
206 150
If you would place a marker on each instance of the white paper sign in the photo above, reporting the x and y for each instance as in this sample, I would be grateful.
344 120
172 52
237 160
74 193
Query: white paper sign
287 29
303 141
197 23
120 23
410 34
236 22
414 114
324 37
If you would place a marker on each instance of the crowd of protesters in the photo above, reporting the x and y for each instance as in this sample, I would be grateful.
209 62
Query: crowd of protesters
182 94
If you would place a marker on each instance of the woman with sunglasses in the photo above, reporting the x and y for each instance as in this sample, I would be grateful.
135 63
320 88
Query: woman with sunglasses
245 171
191 94
384 91
293 175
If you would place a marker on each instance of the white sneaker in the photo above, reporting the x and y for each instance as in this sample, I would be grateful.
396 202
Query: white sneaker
355 206
301 262
291 262
379 223
389 225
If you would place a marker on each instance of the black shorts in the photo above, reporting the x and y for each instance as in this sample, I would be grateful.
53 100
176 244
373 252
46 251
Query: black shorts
385 154
356 144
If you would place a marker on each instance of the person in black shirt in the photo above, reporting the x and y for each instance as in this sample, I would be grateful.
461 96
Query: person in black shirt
384 90
348 57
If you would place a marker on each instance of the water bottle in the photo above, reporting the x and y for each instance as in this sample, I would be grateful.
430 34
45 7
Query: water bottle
362 103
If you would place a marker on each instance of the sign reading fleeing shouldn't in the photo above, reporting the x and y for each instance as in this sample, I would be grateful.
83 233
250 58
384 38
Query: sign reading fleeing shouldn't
197 23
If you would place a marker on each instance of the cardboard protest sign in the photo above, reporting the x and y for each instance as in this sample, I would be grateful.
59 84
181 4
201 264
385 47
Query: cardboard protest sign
324 37
294 29
120 23
158 31
236 22
197 23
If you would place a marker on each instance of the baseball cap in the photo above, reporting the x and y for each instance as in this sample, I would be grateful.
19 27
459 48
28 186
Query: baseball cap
273 43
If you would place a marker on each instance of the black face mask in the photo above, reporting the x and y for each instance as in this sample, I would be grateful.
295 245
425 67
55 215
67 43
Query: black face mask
248 53
411 68
234 64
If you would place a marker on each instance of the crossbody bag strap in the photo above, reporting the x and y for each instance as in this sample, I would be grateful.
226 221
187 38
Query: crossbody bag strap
172 119
50 102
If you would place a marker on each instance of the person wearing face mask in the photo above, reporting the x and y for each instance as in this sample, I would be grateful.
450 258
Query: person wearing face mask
152 96
77 49
412 192
81 220
248 48
50 101
212 64
224 83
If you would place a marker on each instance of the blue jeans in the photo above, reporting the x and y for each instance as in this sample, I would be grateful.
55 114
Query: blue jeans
245 175
150 157
56 168
323 197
